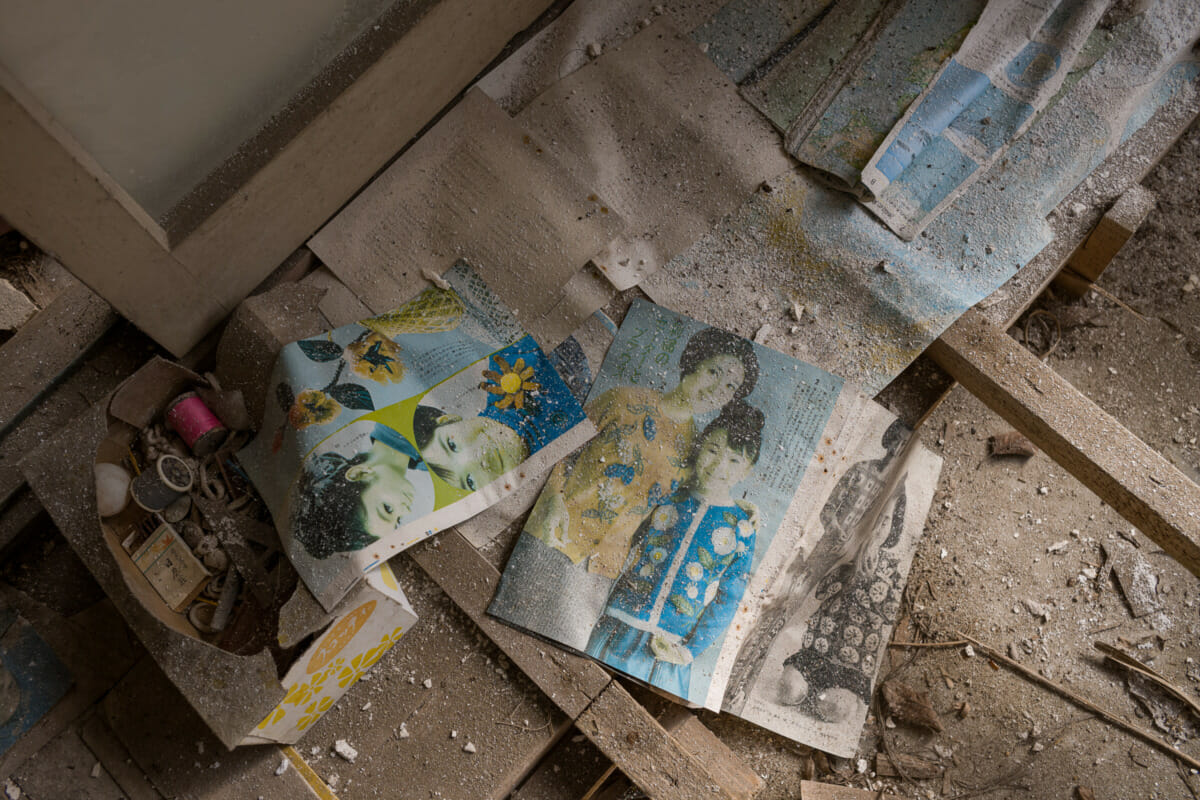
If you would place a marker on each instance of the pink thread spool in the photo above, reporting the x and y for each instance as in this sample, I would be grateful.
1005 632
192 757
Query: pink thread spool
188 416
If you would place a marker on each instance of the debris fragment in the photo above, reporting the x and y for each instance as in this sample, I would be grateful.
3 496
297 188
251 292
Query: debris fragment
1135 576
797 311
969 651
427 683
595 49
343 749
762 333
15 307
469 748
284 763
1012 443
97 770
402 731
1037 609
900 765
1058 547
908 706
964 710
11 790
434 278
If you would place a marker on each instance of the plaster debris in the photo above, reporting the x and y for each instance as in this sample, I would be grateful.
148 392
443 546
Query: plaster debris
427 683
969 651
15 307
434 278
284 763
343 749
402 731
595 49
11 790
762 333
469 748
97 770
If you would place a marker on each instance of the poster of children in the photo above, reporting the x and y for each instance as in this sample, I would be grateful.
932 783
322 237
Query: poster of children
385 431
641 546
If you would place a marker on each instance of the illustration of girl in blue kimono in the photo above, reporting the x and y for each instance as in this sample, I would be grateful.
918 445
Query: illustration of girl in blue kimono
688 563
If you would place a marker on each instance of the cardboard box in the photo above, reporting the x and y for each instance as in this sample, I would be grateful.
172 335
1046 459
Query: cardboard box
242 698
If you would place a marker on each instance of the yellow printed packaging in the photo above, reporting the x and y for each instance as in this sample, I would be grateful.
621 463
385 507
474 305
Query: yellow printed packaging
375 616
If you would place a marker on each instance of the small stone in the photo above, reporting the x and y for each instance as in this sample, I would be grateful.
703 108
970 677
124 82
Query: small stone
969 651
343 749
283 766
402 731
1038 747
453 734
1043 490
762 333
469 748
97 770
594 49
11 790
861 766
427 683
1058 547
797 312
764 304
15 307
1089 573
989 249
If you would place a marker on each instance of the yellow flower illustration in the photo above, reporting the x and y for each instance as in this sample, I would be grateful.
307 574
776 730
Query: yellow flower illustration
272 718
511 381
376 357
314 712
312 407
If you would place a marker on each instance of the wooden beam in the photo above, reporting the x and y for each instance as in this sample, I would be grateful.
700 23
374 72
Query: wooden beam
47 346
1135 480
1115 228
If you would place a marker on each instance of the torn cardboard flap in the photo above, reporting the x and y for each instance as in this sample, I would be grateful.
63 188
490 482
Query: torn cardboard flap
479 188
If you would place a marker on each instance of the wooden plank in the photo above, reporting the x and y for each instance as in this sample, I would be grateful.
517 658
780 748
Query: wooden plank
571 681
657 762
812 790
47 346
1116 227
1135 480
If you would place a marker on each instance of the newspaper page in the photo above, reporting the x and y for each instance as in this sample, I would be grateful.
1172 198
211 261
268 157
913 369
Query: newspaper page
642 546
1010 65
383 432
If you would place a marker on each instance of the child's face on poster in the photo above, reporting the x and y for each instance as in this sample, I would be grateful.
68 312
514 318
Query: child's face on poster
713 383
471 453
718 467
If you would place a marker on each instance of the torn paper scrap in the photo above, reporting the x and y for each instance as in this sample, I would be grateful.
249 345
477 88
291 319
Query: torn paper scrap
477 187
1009 66
663 136
385 431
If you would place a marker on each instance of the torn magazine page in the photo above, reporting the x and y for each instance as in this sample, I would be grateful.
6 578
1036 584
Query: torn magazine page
1009 66
641 547
385 431
820 612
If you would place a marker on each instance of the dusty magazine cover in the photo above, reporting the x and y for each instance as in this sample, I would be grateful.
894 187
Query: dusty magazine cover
383 432
653 545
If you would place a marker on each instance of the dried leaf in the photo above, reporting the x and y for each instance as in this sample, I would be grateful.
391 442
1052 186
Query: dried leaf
1084 793
907 705
1012 443
900 765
